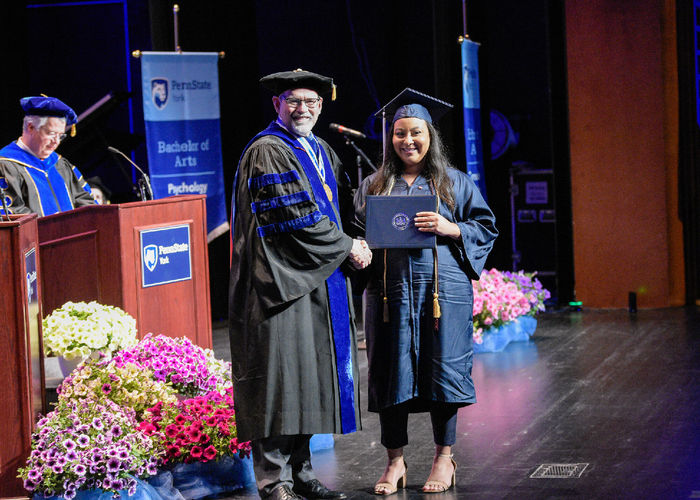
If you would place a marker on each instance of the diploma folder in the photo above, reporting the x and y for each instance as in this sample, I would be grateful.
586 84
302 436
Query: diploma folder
389 221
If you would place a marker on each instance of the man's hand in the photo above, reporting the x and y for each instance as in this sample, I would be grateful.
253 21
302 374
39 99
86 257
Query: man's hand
360 254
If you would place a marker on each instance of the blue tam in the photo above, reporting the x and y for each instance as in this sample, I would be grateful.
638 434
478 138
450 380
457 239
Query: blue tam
412 111
413 104
48 106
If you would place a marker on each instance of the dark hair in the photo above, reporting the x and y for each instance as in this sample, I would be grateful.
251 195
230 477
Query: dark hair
435 169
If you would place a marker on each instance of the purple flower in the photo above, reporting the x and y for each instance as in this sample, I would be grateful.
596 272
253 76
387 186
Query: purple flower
80 469
113 465
106 388
115 431
83 441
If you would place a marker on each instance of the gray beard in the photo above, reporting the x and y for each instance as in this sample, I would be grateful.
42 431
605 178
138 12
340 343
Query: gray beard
303 130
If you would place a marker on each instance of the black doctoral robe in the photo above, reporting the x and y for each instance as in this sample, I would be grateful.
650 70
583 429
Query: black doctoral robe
282 343
41 187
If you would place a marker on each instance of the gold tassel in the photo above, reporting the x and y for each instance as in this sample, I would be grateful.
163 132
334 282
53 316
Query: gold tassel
334 92
436 306
386 310
72 130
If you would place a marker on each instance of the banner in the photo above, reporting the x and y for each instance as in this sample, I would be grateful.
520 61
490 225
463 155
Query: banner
472 114
183 135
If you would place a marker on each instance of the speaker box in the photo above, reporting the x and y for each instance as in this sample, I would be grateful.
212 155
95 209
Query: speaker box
533 224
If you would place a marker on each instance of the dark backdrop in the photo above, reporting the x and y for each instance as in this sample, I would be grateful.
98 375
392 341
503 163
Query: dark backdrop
80 52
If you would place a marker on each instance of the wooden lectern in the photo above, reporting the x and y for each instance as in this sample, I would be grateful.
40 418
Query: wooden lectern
21 364
149 258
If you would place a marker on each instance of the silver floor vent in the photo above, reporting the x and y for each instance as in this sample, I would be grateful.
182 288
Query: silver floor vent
559 471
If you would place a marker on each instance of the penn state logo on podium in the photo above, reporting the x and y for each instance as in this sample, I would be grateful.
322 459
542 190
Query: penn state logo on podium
160 92
166 255
150 257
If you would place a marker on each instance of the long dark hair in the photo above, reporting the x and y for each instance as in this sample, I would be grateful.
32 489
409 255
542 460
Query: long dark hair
434 169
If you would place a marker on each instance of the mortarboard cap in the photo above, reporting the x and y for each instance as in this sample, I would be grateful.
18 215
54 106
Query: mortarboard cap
413 104
96 182
48 106
299 79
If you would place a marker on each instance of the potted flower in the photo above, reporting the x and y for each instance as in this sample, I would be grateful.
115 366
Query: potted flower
528 283
125 384
76 330
199 436
190 369
84 445
505 304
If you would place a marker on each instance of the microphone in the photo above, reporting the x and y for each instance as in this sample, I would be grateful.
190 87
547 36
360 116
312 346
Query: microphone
3 187
347 131
148 194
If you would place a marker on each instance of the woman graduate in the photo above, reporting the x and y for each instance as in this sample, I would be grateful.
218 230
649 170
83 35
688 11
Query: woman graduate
418 322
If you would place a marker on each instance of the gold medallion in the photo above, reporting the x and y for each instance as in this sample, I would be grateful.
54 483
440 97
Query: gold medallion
329 193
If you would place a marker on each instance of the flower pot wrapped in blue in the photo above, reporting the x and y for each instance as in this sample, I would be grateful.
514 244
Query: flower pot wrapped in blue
505 305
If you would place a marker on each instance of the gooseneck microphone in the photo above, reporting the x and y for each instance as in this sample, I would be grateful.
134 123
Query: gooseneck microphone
347 131
147 193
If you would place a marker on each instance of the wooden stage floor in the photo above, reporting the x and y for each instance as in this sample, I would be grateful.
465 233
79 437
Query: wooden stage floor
612 398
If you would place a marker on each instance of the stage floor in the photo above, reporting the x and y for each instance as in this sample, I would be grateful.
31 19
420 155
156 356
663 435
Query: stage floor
611 397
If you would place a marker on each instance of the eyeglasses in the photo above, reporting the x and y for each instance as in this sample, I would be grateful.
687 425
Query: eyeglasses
310 102
54 135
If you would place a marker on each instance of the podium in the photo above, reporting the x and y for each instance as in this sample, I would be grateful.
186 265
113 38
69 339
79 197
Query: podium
148 258
21 364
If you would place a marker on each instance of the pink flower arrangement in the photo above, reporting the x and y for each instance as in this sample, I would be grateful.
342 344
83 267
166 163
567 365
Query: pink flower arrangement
190 369
501 297
200 429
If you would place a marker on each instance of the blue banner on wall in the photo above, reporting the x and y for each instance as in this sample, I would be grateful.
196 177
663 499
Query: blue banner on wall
472 113
183 135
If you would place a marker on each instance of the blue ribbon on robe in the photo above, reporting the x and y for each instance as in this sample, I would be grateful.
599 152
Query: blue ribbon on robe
267 179
280 201
50 185
335 284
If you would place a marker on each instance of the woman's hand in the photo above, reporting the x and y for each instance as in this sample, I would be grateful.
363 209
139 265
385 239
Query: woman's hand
431 222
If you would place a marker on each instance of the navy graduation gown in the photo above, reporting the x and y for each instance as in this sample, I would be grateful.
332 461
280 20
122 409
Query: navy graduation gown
408 360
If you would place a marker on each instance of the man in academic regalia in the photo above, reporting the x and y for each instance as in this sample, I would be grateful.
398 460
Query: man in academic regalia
292 332
38 179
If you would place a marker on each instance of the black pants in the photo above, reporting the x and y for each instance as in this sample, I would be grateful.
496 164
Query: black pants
281 460
394 424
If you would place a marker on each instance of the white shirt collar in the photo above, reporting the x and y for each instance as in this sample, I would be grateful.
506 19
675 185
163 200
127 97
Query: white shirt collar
23 146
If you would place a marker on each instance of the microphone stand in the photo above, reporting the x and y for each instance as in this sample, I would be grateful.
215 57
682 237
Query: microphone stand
360 156
5 211
3 186
145 191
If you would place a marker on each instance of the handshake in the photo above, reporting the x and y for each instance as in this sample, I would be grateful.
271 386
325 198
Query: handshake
360 254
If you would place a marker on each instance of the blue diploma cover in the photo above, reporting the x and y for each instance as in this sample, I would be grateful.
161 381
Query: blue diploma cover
389 221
